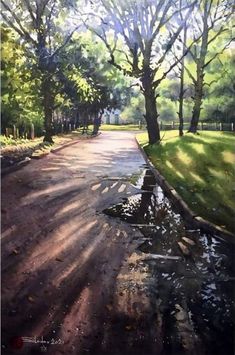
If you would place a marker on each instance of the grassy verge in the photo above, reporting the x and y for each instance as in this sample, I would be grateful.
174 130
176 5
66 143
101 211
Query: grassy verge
14 150
202 170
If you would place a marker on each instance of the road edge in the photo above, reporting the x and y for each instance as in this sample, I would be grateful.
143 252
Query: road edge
188 214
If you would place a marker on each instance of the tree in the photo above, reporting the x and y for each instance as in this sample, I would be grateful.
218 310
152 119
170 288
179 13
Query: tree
35 23
219 104
144 33
88 81
182 90
211 23
20 104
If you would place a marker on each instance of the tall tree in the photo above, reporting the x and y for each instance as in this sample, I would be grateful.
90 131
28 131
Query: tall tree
143 32
35 23
89 82
182 70
212 21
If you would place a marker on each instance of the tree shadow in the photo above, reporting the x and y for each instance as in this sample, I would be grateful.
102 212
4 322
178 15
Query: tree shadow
194 178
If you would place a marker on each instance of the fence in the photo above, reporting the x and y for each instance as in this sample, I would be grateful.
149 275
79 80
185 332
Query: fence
15 132
68 127
29 132
202 126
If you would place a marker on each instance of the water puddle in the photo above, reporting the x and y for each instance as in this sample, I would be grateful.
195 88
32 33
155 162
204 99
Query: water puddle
194 271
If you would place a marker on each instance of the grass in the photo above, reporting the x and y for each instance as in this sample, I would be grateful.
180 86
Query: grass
202 169
20 147
112 127
10 141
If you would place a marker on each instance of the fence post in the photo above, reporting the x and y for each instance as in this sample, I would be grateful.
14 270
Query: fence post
14 131
202 126
231 126
62 128
17 133
32 136
74 126
7 132
70 127
173 125
220 126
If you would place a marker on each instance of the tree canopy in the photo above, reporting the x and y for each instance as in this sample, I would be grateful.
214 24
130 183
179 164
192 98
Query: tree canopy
83 56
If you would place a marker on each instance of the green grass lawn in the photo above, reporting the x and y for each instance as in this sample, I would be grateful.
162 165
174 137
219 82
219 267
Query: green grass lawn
202 169
112 127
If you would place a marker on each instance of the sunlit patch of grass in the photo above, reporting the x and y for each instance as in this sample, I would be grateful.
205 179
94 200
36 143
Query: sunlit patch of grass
216 173
179 174
229 157
168 163
112 127
184 157
199 148
196 177
201 168
21 147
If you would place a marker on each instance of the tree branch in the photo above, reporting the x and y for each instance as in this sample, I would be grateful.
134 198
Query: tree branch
190 75
218 53
172 41
221 30
27 3
65 42
158 81
20 29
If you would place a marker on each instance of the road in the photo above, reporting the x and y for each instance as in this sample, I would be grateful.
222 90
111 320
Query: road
73 278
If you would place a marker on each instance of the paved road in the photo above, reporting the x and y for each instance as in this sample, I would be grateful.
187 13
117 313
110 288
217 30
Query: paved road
96 285
60 255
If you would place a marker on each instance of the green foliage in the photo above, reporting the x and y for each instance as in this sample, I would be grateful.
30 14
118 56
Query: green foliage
167 109
20 104
219 103
7 141
134 111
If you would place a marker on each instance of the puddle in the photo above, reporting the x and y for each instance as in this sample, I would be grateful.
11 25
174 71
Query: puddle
194 278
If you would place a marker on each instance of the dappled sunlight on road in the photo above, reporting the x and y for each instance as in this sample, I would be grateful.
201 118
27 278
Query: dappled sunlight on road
57 243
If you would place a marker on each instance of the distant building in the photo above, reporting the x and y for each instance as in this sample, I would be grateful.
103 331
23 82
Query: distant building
112 117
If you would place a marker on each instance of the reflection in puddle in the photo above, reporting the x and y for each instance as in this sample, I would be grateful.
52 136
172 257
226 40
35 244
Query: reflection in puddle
194 272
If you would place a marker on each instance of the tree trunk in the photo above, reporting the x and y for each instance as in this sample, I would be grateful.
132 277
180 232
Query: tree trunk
196 114
197 102
198 84
181 119
181 95
48 101
151 116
